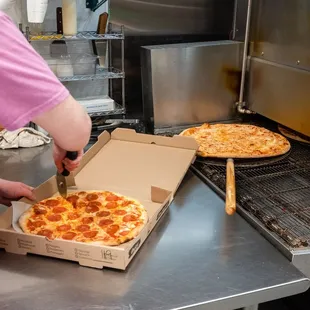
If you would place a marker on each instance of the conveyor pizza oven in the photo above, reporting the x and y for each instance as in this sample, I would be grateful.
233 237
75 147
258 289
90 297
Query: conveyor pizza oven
190 84
279 62
278 79
185 84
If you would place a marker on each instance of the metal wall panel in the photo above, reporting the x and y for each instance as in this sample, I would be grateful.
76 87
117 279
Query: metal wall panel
168 17
239 20
280 32
281 93
187 83
151 22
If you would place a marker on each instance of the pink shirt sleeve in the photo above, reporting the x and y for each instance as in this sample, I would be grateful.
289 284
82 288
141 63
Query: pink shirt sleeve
28 87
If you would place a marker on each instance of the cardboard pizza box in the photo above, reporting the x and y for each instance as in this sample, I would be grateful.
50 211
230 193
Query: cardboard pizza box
145 167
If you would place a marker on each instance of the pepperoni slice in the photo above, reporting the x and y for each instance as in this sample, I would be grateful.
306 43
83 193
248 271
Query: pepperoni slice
112 197
111 205
127 203
91 197
68 235
46 233
111 230
52 202
91 209
105 222
129 218
54 217
38 223
90 234
36 216
95 204
39 210
73 199
81 205
82 193
30 226
64 227
120 212
82 228
103 213
87 220
73 216
124 233
59 209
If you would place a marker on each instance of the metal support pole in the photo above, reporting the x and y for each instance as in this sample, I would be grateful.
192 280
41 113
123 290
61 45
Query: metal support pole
245 51
234 27
110 61
123 69
254 307
31 124
27 33
240 103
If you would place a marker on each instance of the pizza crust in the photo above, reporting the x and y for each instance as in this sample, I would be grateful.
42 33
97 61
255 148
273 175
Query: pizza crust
23 219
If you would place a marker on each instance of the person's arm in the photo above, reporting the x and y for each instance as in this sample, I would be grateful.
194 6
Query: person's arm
67 123
70 131
29 91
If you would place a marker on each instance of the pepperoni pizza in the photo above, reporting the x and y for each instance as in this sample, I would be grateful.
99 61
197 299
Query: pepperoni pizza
102 218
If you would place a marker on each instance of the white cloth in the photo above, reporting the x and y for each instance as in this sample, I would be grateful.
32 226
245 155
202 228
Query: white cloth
23 137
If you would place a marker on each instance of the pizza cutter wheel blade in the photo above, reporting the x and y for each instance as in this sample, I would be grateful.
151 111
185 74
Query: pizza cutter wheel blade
61 185
61 177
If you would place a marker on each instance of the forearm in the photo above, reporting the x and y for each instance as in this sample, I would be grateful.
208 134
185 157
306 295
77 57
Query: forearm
68 124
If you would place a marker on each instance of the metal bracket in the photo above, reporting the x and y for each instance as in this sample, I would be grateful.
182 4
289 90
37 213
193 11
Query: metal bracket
241 108
94 5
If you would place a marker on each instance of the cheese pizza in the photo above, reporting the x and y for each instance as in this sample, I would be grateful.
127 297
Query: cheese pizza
237 141
103 218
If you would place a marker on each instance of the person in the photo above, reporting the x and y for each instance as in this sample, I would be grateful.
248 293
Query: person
29 91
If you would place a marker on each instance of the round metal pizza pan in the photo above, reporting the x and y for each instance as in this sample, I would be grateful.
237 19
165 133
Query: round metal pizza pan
243 162
293 135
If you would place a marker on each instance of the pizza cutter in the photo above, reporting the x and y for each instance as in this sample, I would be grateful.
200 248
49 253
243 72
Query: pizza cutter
61 177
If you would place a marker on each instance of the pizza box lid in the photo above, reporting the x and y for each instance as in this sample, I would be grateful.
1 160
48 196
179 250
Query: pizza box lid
131 164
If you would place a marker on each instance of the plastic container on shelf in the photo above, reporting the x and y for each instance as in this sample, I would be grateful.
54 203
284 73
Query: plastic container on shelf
36 10
64 67
69 17
52 63
85 64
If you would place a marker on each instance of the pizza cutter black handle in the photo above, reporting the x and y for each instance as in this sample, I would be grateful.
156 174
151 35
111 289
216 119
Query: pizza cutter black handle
71 156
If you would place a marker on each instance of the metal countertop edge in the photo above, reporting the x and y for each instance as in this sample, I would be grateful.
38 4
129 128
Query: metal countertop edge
253 297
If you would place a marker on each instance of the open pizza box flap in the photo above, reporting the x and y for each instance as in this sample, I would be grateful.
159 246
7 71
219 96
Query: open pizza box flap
145 167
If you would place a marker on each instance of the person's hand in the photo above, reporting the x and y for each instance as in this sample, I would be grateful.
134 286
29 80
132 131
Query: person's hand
12 191
60 159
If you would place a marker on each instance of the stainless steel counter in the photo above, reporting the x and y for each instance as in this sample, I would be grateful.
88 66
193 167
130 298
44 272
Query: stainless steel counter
196 258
